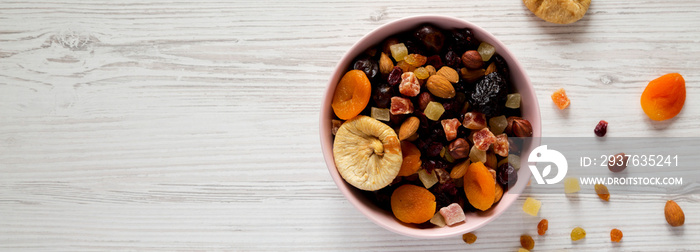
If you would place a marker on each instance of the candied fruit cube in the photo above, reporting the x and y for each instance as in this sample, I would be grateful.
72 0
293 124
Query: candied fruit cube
381 114
476 155
437 220
532 206
474 120
513 101
560 99
498 124
523 250
577 234
571 185
398 51
410 86
400 105
483 139
514 160
615 235
450 127
501 145
452 214
428 179
486 50
434 110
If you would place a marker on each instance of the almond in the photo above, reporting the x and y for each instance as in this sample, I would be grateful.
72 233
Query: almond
674 214
490 69
408 128
449 74
471 75
440 87
385 64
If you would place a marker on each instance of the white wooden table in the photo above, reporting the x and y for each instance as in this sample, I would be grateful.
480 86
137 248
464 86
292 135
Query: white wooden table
193 125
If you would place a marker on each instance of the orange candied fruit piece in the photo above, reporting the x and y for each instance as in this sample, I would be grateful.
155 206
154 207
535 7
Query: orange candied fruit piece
615 235
413 204
351 95
479 186
411 159
560 99
663 98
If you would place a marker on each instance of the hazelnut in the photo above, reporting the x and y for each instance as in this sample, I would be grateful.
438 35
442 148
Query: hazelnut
518 127
459 148
472 59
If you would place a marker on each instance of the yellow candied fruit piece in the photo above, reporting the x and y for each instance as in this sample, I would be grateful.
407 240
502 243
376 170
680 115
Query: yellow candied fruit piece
532 206
571 185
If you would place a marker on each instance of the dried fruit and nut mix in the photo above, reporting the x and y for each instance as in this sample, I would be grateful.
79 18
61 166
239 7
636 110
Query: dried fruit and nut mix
428 116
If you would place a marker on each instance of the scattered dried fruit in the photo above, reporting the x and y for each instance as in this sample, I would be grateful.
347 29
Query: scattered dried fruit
542 226
469 238
478 186
577 234
601 128
602 192
527 242
367 153
558 11
351 94
674 214
532 206
615 235
663 98
618 163
571 185
411 159
413 204
560 99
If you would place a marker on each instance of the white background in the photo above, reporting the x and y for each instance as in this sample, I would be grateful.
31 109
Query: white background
193 125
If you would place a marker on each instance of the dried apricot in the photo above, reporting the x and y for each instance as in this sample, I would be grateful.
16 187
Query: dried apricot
527 242
479 186
411 159
615 235
663 98
560 99
413 204
351 95
542 226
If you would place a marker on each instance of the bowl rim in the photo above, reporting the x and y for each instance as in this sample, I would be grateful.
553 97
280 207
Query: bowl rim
509 197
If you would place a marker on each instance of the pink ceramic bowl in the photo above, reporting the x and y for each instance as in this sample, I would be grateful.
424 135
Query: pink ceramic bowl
530 111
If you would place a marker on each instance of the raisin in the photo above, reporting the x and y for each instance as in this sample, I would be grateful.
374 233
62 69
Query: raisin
367 65
615 235
462 40
601 128
501 66
452 59
542 226
506 175
469 238
489 95
382 95
431 37
395 76
527 242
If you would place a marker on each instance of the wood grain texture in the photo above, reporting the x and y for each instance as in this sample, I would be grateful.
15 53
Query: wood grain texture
192 125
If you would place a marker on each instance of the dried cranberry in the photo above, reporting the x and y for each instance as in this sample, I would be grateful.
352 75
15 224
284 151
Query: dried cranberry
506 175
601 128
453 59
434 61
395 76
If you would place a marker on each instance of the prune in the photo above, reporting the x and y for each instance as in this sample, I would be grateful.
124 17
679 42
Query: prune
382 95
431 37
453 59
489 96
367 65
395 76
506 175
501 66
462 40
414 47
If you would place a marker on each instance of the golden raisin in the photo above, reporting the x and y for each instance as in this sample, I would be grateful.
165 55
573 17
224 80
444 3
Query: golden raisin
602 192
577 234
615 235
527 242
542 226
469 238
